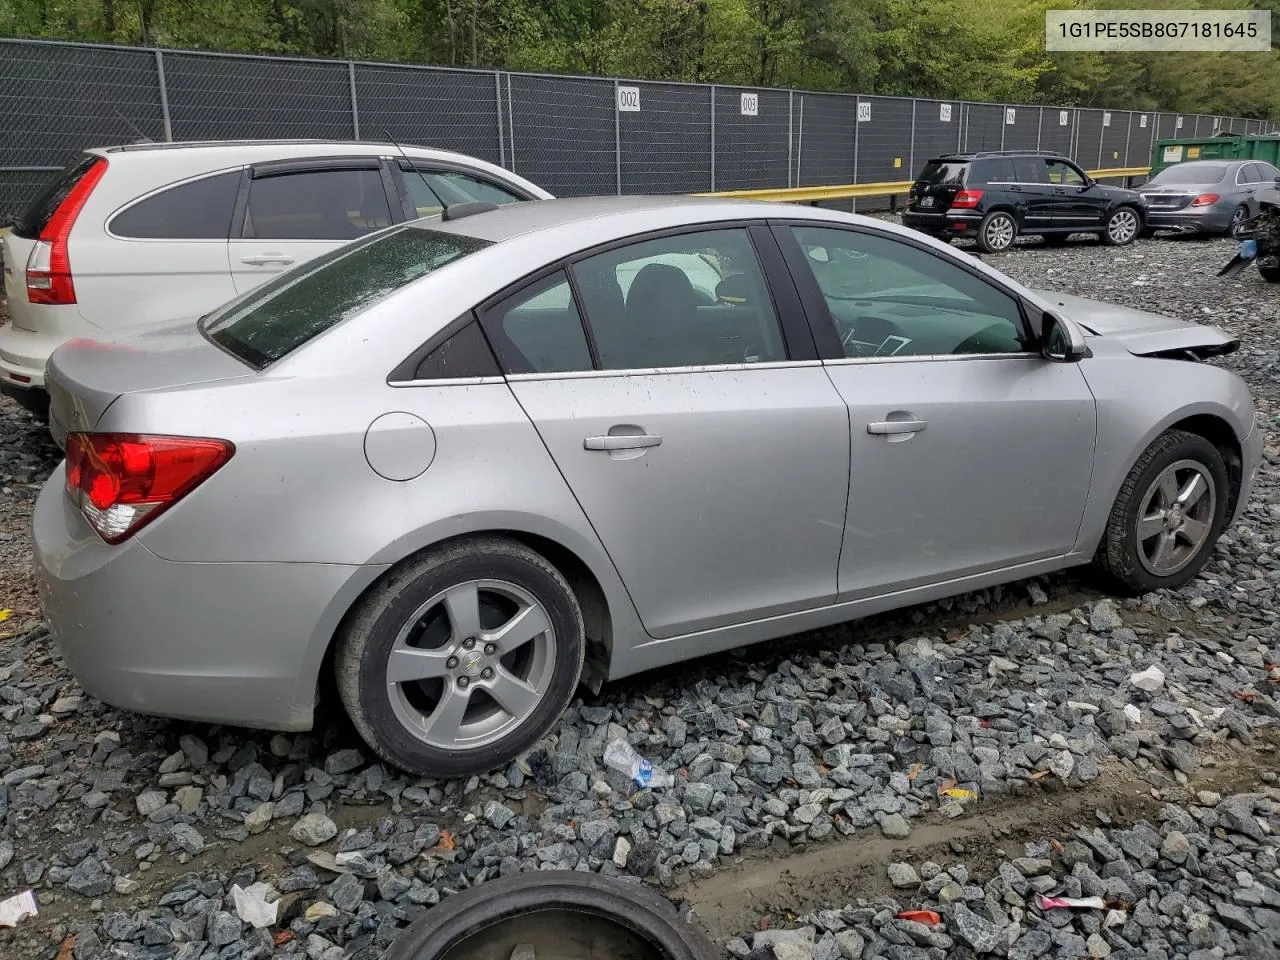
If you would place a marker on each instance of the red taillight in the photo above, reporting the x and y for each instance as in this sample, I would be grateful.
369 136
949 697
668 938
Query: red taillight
966 198
1204 200
121 481
49 266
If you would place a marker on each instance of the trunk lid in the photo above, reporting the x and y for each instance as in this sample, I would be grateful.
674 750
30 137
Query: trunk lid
1142 333
16 250
1166 199
84 377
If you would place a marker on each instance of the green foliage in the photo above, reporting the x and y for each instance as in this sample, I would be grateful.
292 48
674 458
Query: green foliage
959 49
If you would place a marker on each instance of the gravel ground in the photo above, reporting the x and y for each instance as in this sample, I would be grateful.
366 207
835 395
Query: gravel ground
961 758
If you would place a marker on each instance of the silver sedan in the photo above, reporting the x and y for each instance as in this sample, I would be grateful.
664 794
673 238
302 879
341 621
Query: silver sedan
469 463
1205 196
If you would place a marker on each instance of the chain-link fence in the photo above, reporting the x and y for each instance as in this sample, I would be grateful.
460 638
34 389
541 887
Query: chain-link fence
571 135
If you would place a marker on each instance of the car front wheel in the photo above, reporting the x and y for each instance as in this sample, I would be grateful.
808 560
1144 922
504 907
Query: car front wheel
997 232
1122 227
1169 513
462 658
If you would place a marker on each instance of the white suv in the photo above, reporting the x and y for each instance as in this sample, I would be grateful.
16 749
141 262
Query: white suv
133 234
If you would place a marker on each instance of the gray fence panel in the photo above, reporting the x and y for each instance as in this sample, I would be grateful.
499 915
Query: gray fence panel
983 126
562 134
1166 127
824 146
884 141
752 151
934 135
433 108
1142 138
1023 132
56 100
214 98
1114 137
1088 138
666 144
1054 134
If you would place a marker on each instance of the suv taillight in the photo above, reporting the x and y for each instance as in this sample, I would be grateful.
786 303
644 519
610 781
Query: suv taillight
49 266
966 198
122 481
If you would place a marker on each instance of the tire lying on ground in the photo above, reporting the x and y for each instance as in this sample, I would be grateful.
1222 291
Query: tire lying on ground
552 915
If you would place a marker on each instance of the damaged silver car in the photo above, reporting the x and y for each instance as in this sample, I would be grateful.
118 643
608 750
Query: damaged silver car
1259 238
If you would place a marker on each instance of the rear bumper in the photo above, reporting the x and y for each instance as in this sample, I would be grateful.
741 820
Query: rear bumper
24 351
941 224
1209 221
235 643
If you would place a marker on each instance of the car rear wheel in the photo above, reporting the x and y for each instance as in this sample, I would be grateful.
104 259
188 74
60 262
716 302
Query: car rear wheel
1169 513
997 232
1122 227
462 658
1238 216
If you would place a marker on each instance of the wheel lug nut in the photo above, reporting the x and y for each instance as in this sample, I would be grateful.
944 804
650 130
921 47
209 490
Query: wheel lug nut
487 673
451 663
463 681
490 649
469 642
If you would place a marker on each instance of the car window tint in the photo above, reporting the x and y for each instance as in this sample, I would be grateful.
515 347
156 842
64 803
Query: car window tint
1250 173
890 299
688 300
317 205
288 310
1028 170
455 187
464 354
424 200
996 170
939 172
1268 172
198 210
538 329
1063 173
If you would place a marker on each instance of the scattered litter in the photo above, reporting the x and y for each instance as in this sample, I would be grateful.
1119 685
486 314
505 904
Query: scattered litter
1040 775
959 793
326 861
1065 903
319 910
1150 679
914 772
66 950
1115 918
446 842
1244 696
5 614
1133 713
927 917
16 908
252 906
621 756
283 937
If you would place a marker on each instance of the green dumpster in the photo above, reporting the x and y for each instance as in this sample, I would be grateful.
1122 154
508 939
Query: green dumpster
1225 146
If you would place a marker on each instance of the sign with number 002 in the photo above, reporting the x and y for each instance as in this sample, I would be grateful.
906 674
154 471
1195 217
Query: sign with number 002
629 99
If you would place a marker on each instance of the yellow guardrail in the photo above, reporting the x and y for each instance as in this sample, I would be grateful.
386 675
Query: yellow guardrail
844 191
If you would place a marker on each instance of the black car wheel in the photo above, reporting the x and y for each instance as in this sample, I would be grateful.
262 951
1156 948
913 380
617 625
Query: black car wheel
461 658
1238 216
1122 227
997 232
1270 274
1168 515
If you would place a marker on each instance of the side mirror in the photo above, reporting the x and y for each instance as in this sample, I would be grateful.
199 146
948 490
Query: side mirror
1061 340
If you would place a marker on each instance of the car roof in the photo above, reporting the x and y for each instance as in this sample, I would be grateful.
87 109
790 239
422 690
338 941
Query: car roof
517 219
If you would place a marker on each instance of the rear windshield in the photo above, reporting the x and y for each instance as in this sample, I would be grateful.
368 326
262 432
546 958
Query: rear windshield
1191 173
286 312
939 172
32 220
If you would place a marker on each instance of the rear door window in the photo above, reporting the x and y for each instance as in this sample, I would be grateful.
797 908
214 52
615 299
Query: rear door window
322 204
197 210
1028 170
32 221
1250 173
295 306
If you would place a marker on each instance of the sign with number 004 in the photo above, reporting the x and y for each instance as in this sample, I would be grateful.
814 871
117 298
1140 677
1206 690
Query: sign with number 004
1142 121
944 113
751 104
1064 117
864 112
629 99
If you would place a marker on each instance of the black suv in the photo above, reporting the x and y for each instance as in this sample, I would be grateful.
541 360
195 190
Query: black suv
992 197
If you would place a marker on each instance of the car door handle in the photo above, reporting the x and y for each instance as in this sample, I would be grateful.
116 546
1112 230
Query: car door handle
261 259
622 442
896 426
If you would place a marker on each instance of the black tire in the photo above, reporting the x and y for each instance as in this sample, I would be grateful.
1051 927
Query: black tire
1238 215
997 232
369 634
1110 235
1117 554
480 911
1270 274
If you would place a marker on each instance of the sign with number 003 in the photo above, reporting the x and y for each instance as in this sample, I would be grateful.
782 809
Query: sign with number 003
750 104
629 99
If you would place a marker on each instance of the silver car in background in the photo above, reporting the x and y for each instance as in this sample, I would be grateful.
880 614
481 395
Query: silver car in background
1205 196
469 462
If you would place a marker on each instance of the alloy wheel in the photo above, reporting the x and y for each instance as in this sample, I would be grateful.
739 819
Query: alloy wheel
999 232
1123 226
471 665
1176 517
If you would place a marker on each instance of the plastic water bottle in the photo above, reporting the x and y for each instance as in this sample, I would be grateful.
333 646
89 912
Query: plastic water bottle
621 756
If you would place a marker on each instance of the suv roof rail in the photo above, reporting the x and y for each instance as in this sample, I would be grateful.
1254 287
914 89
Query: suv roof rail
183 144
988 154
